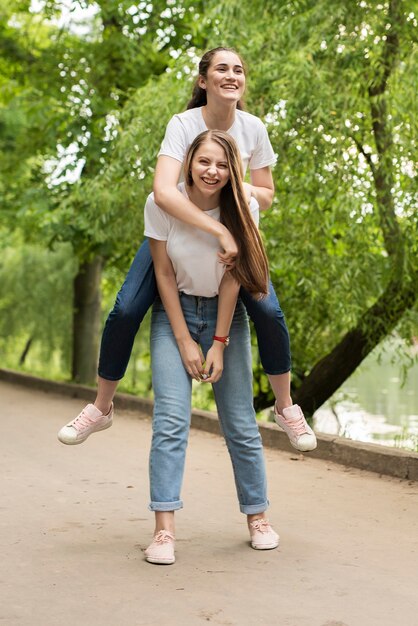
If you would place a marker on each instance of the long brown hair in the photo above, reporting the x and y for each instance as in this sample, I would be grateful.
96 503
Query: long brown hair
251 266
199 96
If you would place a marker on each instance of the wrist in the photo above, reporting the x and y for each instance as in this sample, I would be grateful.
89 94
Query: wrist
219 230
183 338
221 340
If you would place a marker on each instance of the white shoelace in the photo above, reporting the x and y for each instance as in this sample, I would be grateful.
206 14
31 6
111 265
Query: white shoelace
261 525
82 421
298 424
163 536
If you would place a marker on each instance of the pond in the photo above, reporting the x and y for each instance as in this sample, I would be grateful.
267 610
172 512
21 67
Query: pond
377 404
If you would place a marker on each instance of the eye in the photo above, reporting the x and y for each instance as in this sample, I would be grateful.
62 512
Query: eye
223 166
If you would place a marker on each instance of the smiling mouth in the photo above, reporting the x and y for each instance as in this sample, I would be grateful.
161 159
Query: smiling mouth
210 181
230 87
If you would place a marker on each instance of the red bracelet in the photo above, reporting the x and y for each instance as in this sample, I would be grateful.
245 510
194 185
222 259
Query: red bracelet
224 340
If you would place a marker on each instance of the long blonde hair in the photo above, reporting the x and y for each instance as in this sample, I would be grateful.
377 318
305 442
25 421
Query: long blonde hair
251 266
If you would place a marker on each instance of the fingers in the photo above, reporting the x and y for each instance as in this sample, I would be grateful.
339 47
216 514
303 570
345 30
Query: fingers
195 375
195 370
226 258
211 373
192 358
213 377
228 266
228 261
206 372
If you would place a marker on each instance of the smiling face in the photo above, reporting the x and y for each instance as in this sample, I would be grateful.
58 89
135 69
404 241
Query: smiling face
225 79
209 170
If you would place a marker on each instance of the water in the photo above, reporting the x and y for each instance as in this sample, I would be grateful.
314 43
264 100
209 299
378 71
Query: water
375 404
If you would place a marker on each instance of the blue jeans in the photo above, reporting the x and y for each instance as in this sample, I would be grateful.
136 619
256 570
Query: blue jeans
136 296
172 406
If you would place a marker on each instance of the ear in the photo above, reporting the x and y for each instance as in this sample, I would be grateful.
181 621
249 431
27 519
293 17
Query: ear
201 82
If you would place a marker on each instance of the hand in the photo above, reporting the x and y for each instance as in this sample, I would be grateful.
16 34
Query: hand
230 248
192 357
214 363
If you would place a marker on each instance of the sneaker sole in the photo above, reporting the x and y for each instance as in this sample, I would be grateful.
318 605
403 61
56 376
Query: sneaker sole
160 561
269 547
75 442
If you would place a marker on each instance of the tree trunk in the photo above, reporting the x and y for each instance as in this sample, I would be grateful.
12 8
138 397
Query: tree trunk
86 321
331 371
25 351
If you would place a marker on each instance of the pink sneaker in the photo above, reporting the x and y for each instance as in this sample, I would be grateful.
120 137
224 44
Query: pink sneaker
89 421
263 537
161 550
293 422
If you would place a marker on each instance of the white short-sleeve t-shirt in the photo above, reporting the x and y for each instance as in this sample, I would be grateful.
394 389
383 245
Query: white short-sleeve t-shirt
192 251
248 131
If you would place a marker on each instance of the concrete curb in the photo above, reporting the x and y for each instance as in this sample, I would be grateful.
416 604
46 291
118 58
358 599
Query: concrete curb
367 456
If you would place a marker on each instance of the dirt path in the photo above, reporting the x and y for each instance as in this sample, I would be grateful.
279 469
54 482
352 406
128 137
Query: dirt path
74 522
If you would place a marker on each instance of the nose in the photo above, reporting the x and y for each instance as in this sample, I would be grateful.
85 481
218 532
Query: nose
212 169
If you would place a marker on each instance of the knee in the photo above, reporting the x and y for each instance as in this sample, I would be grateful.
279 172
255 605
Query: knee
270 313
272 310
170 436
126 309
247 445
267 310
170 422
243 434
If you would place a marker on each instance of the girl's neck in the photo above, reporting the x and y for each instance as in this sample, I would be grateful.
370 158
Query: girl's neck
205 203
219 116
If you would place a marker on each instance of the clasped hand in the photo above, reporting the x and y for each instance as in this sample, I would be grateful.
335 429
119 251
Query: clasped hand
214 363
230 250
194 362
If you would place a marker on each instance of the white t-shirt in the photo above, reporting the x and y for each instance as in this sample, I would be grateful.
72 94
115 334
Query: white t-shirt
192 252
248 131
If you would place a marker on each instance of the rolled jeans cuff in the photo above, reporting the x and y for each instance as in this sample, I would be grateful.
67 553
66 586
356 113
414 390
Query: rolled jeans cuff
166 506
253 509
110 378
275 373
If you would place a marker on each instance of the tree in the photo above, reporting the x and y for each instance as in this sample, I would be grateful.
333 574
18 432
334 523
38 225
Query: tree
337 92
81 83
400 291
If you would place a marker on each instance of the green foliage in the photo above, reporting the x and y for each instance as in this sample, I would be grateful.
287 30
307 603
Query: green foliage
35 306
60 108
116 197
104 95
310 74
310 83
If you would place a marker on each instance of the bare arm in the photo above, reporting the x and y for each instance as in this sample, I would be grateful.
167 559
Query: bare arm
171 200
262 187
167 286
227 300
